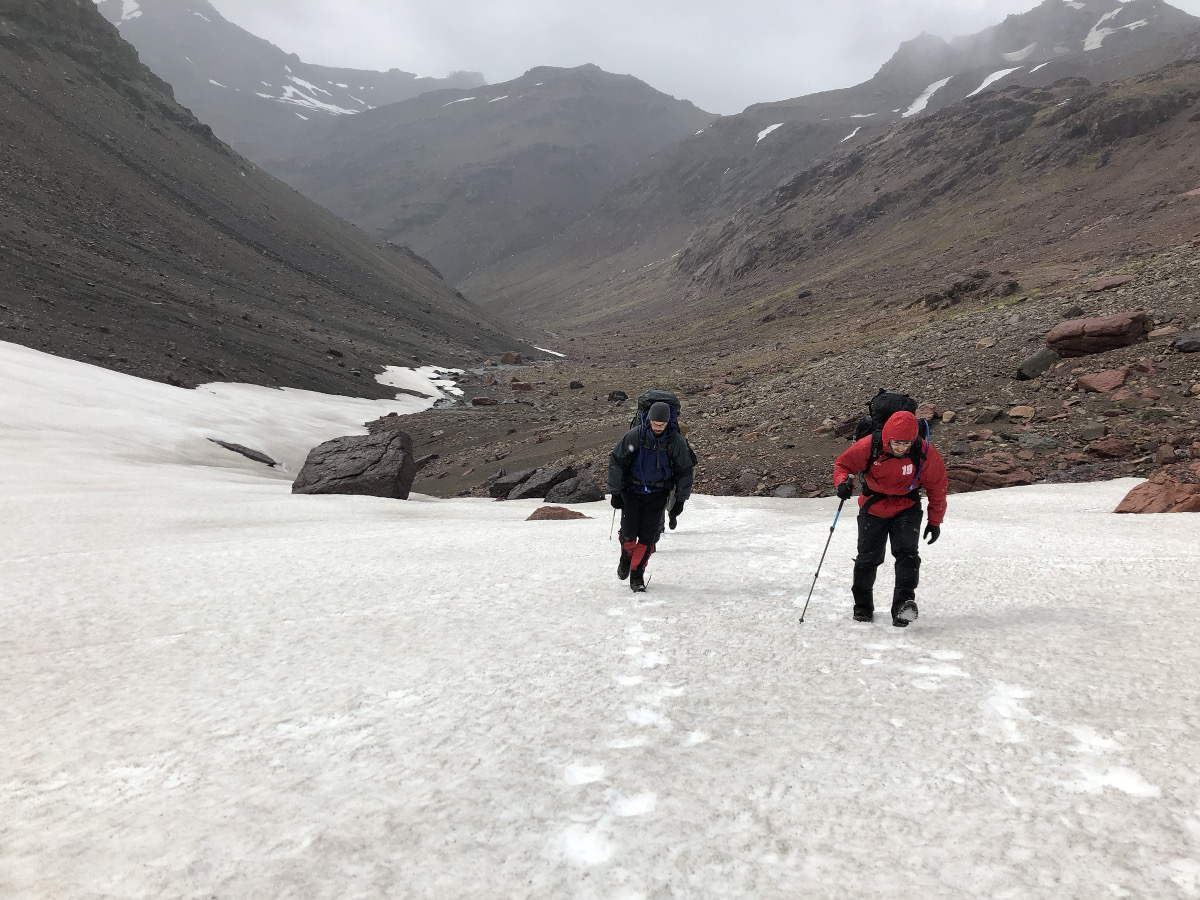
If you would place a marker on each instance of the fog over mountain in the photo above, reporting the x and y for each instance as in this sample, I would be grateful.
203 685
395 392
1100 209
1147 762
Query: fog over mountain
720 56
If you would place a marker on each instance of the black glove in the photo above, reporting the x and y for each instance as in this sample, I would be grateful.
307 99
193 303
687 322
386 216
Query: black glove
933 532
845 490
617 501
674 514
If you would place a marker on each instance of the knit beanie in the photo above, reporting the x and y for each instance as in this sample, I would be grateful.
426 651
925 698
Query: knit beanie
660 412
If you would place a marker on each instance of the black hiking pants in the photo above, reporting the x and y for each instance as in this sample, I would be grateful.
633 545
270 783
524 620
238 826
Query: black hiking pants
904 530
642 516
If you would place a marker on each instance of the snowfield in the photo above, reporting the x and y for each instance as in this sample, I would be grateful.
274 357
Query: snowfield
211 687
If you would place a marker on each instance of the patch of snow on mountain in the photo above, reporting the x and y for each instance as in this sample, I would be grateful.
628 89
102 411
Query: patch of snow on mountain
551 352
851 134
360 102
296 97
498 99
304 117
762 134
265 84
1039 66
310 86
189 60
130 9
342 86
202 15
1019 55
1096 36
862 115
1074 5
992 79
459 100
922 101
217 83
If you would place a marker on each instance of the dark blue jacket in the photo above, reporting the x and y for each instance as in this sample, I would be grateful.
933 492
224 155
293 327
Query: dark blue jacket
644 463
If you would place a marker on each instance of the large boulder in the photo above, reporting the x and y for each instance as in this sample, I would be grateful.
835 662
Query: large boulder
1080 337
1188 342
581 489
1037 364
537 485
1161 494
373 465
504 485
993 470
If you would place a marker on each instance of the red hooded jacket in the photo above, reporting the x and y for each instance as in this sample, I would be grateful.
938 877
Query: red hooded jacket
896 474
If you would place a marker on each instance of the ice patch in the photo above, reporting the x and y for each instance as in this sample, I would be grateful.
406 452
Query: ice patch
633 806
862 115
459 100
498 99
1095 38
551 352
420 380
644 718
628 743
1003 709
1090 741
577 773
1038 66
1020 55
762 134
851 134
992 79
217 83
303 116
922 101
584 846
1126 780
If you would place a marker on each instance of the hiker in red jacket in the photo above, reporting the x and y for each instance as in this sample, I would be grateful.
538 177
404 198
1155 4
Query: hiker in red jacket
895 469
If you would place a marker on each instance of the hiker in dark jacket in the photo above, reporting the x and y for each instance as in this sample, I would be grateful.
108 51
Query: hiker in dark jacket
643 467
890 507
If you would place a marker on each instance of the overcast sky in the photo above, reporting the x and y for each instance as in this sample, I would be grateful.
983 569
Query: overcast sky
723 55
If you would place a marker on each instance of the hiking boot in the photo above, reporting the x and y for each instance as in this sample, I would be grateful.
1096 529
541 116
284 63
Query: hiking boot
899 622
908 611
637 583
623 566
863 615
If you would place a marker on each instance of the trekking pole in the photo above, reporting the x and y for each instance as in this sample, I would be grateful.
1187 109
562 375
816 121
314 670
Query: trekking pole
613 525
826 550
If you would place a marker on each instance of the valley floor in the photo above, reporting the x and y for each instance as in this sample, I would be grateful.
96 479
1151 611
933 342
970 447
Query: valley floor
210 687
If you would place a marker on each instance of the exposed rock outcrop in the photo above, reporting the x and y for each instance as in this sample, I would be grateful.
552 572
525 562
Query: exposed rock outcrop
1163 493
994 470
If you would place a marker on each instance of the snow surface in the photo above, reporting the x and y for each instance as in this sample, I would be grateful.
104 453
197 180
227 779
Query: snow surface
922 101
213 81
459 100
1020 55
1038 66
762 134
498 99
211 687
851 134
551 352
862 115
1095 38
992 79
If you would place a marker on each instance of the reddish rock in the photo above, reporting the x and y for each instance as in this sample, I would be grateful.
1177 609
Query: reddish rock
1194 450
1080 337
554 514
522 386
1022 412
511 358
1103 382
489 381
1163 493
1149 394
1145 366
1109 282
1112 448
927 411
994 470
1164 455
482 401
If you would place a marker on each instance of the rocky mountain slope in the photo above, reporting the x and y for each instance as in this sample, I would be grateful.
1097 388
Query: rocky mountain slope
255 96
131 236
708 177
468 178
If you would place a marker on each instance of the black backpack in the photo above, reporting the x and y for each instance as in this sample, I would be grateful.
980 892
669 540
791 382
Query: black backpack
880 408
648 399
